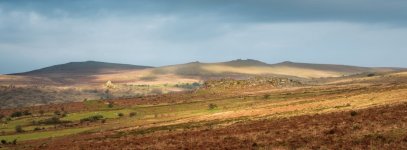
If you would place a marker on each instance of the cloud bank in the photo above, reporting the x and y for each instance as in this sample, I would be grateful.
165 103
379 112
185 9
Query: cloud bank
36 34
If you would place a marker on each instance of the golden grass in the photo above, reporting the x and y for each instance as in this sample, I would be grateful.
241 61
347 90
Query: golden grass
291 71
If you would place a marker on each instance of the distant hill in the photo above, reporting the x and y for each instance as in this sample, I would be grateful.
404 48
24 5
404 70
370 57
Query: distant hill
255 67
77 81
334 68
100 72
88 67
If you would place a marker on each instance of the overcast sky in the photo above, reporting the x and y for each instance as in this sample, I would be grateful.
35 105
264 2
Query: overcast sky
36 34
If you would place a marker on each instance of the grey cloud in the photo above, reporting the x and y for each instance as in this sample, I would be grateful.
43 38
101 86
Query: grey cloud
36 34
389 11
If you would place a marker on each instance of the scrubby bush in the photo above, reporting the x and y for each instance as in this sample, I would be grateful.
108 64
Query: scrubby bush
3 142
57 112
110 105
20 113
64 114
16 114
37 129
212 106
353 113
19 129
50 121
120 114
26 113
266 96
92 118
132 114
370 74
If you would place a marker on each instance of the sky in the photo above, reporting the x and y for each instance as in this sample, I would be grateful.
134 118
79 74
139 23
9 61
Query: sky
36 34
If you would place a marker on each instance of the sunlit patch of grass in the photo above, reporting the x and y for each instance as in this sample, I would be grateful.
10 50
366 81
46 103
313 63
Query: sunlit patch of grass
24 121
41 135
108 114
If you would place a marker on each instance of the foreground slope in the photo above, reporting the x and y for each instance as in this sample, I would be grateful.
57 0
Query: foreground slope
266 113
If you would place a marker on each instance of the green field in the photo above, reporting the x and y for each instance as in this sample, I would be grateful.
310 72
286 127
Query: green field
45 134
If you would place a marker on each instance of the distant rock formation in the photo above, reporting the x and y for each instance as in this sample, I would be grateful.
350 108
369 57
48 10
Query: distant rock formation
109 85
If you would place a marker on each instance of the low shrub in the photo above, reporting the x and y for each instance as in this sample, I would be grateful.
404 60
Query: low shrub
132 114
26 113
370 75
266 96
3 142
120 114
16 114
57 112
212 106
92 118
353 113
51 121
19 129
37 129
110 105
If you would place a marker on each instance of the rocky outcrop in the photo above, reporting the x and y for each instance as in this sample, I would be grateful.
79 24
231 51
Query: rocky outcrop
251 82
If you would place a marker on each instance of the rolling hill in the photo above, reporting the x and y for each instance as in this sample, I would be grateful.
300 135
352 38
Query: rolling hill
87 67
99 72
77 81
254 67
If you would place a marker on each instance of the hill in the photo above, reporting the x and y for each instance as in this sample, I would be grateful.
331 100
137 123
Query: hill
88 67
77 81
251 67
